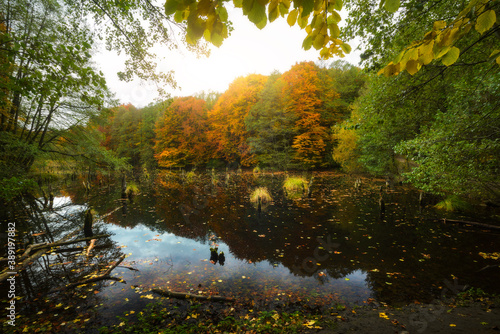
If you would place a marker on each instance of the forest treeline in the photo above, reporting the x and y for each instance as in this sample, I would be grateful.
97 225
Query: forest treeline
280 121
423 108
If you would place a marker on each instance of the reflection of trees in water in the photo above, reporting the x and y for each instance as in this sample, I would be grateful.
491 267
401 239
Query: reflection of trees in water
389 251
61 266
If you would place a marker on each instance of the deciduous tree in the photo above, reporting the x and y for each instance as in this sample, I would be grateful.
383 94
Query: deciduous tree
271 129
307 97
181 133
227 134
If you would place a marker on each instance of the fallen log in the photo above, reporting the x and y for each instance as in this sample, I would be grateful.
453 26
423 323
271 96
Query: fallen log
489 267
80 249
25 254
184 295
463 222
109 213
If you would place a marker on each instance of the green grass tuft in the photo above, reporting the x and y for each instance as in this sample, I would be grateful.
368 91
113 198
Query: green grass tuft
295 186
190 176
452 203
132 189
261 192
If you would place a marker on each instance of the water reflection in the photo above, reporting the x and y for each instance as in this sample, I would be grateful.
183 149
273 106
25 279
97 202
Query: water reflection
401 257
333 244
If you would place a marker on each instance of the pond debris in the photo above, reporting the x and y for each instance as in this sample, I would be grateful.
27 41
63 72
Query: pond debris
39 250
103 276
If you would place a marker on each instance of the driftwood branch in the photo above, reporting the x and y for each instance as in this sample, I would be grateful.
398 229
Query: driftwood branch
109 213
183 295
91 246
6 273
489 267
79 249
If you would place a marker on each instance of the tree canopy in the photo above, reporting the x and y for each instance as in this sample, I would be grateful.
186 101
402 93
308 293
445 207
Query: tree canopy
435 123
320 20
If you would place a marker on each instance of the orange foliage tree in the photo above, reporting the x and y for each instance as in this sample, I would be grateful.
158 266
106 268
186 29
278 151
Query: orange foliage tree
227 134
308 94
181 133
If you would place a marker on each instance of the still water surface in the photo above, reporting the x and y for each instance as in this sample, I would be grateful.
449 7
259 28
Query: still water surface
334 246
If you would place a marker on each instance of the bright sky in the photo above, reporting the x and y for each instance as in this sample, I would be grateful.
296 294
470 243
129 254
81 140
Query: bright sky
247 51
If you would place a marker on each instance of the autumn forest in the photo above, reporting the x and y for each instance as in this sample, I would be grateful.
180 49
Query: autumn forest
281 121
329 195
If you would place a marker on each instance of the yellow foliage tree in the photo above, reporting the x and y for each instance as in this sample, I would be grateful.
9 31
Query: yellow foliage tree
346 137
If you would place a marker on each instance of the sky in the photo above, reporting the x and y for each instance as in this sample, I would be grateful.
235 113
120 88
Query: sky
247 50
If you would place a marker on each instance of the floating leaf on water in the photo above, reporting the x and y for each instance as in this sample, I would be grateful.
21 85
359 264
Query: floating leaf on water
383 315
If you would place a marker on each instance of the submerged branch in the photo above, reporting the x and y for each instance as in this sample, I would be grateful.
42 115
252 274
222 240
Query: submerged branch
103 276
40 250
463 222
184 295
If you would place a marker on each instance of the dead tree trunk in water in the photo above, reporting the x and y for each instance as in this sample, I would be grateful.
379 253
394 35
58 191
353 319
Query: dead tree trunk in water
124 187
87 224
381 204
309 187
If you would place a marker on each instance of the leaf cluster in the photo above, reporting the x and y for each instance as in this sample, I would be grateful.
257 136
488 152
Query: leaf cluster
209 19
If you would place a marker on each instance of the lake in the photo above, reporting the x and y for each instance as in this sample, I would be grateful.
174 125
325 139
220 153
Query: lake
334 247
